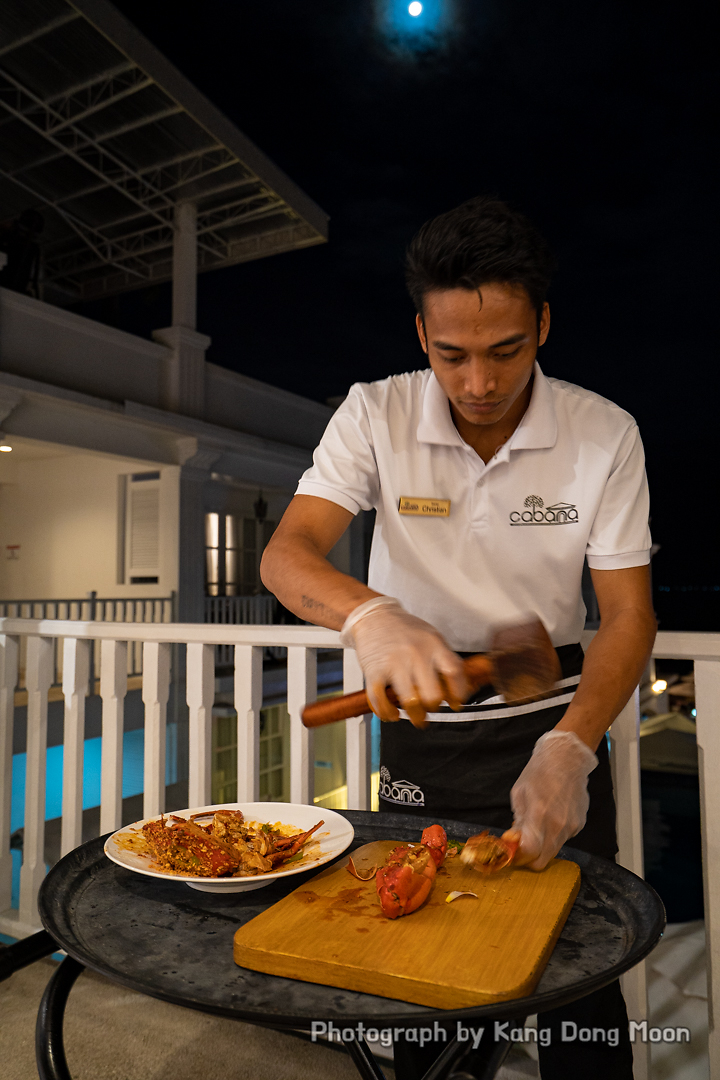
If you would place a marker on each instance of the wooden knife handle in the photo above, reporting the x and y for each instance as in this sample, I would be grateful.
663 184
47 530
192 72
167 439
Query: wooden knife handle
478 671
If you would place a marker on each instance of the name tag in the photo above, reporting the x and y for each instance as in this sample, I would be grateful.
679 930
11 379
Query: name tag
424 507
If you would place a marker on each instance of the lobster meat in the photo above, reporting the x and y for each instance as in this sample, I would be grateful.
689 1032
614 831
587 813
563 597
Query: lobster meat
489 853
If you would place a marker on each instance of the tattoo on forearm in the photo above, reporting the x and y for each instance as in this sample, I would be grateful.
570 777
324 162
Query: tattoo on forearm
322 611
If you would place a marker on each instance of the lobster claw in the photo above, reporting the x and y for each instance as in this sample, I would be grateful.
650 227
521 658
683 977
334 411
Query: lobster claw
435 839
489 853
404 883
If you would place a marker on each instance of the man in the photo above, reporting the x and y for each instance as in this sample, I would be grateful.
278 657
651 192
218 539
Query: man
521 478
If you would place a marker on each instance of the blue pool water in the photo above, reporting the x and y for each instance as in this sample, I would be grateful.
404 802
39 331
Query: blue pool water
133 754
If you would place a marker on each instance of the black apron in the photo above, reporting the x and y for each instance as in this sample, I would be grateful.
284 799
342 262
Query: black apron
464 770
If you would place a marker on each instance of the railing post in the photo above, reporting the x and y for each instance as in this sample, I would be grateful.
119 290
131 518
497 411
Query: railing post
113 688
625 763
707 703
302 688
248 703
9 647
155 691
38 680
357 739
200 683
76 668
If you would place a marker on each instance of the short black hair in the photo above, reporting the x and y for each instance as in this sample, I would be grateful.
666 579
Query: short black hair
481 241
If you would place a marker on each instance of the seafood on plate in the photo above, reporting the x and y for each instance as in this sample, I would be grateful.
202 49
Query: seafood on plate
227 845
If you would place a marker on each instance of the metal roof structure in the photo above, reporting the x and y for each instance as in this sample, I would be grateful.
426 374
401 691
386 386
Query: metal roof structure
101 134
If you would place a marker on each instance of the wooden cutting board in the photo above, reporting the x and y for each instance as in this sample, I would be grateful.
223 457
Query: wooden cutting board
468 952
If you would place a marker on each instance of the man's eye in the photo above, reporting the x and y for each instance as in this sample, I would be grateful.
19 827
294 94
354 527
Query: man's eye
506 355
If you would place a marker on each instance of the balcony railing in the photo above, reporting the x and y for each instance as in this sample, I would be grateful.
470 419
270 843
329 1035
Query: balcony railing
302 642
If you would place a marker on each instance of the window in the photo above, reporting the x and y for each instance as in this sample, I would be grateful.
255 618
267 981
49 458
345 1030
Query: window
233 548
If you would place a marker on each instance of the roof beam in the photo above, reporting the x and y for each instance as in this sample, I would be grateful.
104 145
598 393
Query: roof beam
97 160
91 238
41 31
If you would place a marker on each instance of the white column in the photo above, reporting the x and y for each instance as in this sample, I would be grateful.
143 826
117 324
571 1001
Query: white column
113 688
185 369
76 671
625 762
39 677
155 689
357 739
8 682
302 688
707 703
248 703
200 679
184 282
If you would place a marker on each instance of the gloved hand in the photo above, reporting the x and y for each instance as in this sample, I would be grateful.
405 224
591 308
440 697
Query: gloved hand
397 649
550 798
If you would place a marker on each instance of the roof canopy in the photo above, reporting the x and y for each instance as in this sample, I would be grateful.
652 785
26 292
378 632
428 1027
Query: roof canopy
104 136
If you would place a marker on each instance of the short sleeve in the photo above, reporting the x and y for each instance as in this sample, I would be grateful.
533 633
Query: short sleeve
620 534
344 468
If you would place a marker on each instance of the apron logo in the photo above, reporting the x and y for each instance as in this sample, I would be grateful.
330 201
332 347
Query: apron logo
408 504
539 514
402 791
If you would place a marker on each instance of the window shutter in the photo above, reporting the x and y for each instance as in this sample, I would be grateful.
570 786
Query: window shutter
143 530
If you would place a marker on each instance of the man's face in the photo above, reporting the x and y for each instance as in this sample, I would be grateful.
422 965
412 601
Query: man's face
481 344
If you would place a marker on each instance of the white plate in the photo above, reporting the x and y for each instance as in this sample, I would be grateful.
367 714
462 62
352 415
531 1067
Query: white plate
334 837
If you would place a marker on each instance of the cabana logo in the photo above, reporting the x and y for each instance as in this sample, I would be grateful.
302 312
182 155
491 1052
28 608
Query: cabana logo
399 791
539 514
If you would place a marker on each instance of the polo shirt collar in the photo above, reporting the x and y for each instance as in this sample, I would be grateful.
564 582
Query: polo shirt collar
537 429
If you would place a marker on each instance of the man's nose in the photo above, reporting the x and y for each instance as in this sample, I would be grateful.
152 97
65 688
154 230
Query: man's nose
480 380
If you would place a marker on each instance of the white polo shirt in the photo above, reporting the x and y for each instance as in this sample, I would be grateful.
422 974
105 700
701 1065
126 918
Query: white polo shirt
570 482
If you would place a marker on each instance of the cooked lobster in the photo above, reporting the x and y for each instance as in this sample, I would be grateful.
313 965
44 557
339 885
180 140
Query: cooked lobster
489 853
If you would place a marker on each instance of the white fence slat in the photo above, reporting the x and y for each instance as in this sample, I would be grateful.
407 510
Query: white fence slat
155 692
9 647
200 681
76 671
357 739
302 688
625 762
707 703
248 703
113 688
38 679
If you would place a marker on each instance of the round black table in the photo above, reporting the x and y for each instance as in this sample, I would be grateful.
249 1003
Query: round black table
176 943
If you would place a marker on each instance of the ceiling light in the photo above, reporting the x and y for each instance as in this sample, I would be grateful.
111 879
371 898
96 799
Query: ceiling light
5 448
659 686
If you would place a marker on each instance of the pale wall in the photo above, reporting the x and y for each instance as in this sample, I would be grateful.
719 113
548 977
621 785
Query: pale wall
63 511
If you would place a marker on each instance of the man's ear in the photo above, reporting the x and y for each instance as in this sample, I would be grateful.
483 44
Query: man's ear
420 325
544 327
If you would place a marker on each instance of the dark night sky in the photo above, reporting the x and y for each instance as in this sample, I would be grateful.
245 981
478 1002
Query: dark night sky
596 120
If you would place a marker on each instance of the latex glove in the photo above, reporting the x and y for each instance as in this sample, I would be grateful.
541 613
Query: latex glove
397 649
550 798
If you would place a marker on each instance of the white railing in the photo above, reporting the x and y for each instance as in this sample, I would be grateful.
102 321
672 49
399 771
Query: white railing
302 643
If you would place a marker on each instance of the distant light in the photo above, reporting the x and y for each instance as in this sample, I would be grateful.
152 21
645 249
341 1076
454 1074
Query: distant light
5 449
659 686
415 9
693 712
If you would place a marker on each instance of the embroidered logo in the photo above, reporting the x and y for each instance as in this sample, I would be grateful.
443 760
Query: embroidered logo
402 791
536 513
